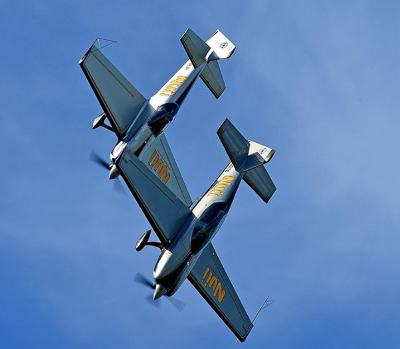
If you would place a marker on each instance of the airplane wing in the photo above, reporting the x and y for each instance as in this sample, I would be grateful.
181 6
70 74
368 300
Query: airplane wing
120 101
211 280
158 157
164 210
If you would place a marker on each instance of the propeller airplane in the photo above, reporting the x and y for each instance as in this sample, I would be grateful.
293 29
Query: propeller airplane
144 160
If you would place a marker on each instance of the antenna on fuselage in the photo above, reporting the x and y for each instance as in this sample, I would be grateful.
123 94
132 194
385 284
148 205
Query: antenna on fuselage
266 303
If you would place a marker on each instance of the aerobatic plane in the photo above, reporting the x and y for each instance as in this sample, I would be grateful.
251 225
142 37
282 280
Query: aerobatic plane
139 122
144 160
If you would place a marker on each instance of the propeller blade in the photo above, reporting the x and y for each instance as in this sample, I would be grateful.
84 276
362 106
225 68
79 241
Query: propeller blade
119 188
99 160
178 304
155 303
139 278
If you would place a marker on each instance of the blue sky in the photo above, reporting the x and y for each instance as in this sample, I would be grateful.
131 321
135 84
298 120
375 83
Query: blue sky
316 80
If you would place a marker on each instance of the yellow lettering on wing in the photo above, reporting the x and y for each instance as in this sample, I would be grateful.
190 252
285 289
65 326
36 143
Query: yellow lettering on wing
158 165
172 87
213 283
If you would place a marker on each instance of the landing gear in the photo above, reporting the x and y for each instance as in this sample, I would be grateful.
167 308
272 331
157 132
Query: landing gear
144 241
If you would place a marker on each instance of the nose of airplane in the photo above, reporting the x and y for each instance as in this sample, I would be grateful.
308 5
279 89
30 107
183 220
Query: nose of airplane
159 291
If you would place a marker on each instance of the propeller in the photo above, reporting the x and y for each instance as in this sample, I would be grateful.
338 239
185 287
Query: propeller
155 303
118 187
178 304
139 278
97 159
94 157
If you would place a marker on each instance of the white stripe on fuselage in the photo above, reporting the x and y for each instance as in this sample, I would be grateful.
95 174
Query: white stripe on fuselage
177 85
220 191
177 252
169 93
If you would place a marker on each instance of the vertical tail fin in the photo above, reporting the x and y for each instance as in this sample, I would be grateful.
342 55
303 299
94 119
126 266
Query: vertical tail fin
248 156
217 47
222 47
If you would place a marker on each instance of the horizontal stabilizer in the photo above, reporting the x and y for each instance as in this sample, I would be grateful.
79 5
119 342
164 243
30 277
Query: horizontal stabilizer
212 77
259 180
119 99
236 146
195 47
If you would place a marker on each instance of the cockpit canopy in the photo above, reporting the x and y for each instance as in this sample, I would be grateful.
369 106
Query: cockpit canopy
208 223
162 117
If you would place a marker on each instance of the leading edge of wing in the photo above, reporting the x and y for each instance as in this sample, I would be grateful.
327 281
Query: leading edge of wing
209 277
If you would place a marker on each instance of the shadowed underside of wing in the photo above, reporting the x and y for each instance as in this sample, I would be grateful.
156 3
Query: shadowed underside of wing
119 99
164 210
209 277
158 157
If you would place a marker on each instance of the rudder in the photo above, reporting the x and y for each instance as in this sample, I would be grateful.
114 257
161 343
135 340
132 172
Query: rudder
217 47
221 45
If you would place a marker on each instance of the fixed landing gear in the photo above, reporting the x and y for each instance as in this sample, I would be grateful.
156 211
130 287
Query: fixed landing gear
144 241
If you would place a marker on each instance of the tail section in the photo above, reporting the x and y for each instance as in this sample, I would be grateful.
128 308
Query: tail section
222 47
212 77
248 156
234 143
195 47
259 180
217 47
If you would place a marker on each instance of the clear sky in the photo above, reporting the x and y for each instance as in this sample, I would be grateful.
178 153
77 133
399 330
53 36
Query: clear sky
316 80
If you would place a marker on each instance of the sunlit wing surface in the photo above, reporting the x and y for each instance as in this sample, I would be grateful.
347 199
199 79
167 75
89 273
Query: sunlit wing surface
158 157
119 99
164 210
210 279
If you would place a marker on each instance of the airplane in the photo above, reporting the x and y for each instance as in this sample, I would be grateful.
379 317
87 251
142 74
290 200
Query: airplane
184 228
139 122
185 233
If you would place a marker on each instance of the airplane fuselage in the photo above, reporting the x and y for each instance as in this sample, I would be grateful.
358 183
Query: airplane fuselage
177 260
158 111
